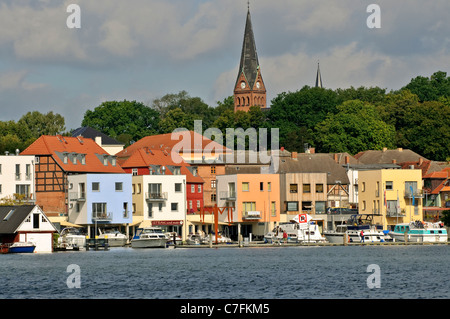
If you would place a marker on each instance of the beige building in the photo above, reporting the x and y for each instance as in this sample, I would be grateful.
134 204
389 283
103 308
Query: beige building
391 195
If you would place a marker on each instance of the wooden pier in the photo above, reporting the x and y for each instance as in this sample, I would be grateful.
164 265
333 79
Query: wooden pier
97 243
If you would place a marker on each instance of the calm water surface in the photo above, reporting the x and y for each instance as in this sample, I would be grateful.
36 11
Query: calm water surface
242 273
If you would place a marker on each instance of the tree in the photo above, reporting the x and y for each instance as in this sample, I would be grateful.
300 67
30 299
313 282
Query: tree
115 118
446 217
42 124
356 127
430 89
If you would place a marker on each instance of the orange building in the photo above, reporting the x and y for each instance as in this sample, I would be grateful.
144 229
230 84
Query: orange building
256 202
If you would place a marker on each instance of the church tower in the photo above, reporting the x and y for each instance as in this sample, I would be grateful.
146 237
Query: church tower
249 89
318 78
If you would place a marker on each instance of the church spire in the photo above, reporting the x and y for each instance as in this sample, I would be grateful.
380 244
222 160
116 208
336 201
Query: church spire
249 87
318 77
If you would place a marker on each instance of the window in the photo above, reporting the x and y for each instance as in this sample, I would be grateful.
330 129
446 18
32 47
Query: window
134 171
0 168
198 204
306 188
195 170
98 210
176 170
293 188
95 186
199 188
83 159
213 197
0 188
125 210
320 207
363 187
306 206
119 186
364 205
177 187
292 206
150 210
248 206
23 190
17 172
160 206
190 204
139 188
319 188
245 186
77 208
261 186
389 185
273 209
174 207
213 183
133 188
269 186
213 170
192 188
28 171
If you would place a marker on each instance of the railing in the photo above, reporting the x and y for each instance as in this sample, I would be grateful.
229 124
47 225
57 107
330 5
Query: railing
76 196
416 193
394 213
159 196
228 195
102 216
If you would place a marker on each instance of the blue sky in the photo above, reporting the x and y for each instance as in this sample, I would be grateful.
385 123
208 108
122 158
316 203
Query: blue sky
143 49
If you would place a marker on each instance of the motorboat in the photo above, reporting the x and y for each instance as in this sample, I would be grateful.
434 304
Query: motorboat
149 237
71 238
194 239
22 247
301 229
358 228
418 231
170 235
115 238
221 239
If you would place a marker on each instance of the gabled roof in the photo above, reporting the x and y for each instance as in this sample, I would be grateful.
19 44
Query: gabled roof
89 132
15 215
191 141
386 156
76 148
148 157
315 163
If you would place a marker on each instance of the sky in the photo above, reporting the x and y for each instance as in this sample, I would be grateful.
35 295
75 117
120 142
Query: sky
144 49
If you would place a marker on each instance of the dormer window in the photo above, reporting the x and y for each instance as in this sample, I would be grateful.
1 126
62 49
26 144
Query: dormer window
105 160
65 157
83 159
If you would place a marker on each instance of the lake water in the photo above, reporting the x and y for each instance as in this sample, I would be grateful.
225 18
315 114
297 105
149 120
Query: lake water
337 272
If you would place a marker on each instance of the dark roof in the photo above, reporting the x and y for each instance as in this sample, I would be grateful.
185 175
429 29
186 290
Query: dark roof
386 156
249 58
89 132
15 218
315 163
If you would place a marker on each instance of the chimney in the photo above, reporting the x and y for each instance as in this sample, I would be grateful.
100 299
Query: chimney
347 159
312 150
294 155
400 149
420 161
336 158
394 161
384 149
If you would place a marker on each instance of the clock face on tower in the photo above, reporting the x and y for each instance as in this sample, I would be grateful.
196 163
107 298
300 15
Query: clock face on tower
242 85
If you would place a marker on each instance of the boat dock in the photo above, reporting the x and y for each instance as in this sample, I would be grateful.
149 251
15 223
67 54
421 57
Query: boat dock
97 243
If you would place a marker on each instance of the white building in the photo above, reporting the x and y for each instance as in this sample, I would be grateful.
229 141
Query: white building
17 177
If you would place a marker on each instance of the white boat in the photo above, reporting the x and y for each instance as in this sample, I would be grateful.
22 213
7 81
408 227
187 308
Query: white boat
169 236
359 228
194 239
71 238
115 238
418 231
301 229
221 239
149 237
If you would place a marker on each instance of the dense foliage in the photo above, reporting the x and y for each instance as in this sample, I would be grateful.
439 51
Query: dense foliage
350 120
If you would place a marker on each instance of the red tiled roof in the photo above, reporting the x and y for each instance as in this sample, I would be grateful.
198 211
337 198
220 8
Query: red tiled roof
146 157
193 141
55 146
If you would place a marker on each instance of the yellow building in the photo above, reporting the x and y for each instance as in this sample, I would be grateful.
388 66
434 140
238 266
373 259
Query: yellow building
391 195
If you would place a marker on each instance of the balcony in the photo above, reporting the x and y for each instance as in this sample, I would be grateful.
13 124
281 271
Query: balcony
156 197
102 216
78 197
393 213
251 215
416 193
228 196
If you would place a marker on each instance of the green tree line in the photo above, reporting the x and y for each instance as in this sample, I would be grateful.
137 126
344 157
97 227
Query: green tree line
351 120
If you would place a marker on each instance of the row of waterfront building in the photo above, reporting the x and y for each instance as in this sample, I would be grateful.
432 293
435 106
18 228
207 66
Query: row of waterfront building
89 180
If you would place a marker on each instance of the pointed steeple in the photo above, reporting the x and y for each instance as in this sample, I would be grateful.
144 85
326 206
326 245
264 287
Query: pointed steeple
318 77
249 88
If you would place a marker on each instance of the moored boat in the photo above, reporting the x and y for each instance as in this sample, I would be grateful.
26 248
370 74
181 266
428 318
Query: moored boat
418 231
115 238
149 237
359 228
71 238
301 229
22 247
194 239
